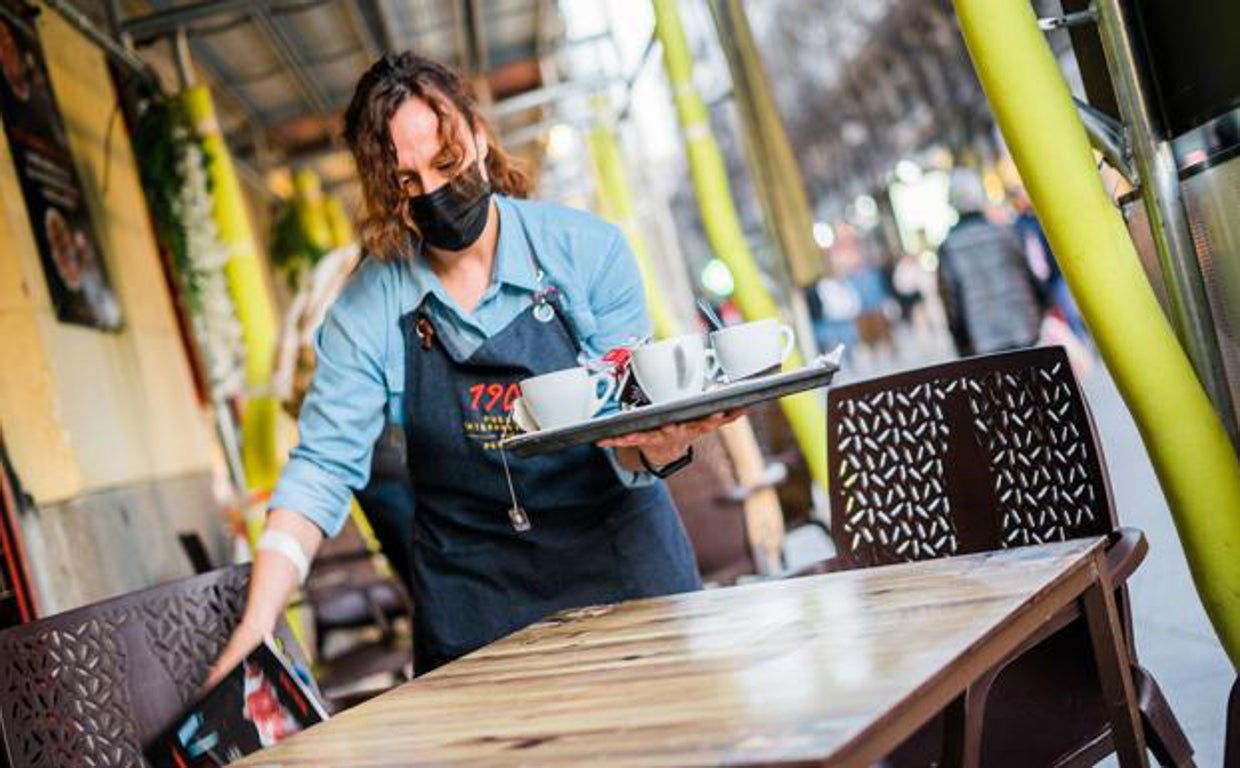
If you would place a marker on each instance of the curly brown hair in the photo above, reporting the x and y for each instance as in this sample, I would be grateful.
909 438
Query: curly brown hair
379 93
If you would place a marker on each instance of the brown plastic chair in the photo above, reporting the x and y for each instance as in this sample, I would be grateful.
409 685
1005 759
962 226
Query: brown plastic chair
980 454
712 508
91 686
347 591
713 516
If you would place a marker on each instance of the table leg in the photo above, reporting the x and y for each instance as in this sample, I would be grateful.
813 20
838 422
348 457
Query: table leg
1098 605
962 724
957 735
955 732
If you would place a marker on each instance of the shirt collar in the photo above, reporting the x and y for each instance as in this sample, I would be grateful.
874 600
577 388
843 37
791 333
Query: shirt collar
514 264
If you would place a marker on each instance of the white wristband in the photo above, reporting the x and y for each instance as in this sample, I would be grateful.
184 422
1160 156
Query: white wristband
279 541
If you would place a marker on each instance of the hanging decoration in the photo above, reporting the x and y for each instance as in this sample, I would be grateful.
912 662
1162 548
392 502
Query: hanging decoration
174 173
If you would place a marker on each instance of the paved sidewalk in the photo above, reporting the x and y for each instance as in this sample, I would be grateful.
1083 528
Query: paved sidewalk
1174 638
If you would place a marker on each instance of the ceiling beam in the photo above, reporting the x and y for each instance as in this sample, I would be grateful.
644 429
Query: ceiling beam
460 32
204 60
165 22
550 94
386 24
278 69
362 31
288 55
477 37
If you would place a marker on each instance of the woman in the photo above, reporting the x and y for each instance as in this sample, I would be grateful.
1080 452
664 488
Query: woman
465 291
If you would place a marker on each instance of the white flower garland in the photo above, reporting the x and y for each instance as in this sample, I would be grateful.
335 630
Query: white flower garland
212 312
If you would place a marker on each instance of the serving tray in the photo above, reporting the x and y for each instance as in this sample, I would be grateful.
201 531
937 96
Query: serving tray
817 374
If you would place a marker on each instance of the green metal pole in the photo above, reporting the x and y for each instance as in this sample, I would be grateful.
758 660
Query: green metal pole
309 204
338 222
1189 448
805 412
774 169
249 289
764 518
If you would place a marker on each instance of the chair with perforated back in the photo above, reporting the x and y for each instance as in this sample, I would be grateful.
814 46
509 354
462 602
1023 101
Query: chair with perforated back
981 454
91 686
349 591
714 519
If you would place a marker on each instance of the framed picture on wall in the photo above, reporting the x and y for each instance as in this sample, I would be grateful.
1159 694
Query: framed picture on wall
73 266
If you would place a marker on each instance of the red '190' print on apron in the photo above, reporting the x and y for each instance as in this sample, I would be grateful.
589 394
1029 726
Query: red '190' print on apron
488 405
485 397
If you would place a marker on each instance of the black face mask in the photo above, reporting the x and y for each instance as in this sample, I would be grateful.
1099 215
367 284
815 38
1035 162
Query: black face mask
452 217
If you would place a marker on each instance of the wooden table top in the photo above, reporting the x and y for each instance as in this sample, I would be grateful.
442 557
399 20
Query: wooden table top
790 672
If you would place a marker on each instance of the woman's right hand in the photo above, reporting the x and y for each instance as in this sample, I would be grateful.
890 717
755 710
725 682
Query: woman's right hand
273 580
245 638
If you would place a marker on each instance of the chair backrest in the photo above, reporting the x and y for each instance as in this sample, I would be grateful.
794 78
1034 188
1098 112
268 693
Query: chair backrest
91 686
972 455
714 522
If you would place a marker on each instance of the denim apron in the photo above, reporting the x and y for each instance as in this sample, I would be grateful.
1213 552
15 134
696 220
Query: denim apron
479 571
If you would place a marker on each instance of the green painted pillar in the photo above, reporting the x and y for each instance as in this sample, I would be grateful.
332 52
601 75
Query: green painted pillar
311 209
338 222
805 412
771 163
248 284
764 518
1189 448
616 200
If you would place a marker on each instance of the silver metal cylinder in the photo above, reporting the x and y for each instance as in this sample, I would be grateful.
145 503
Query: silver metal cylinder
1160 191
1107 135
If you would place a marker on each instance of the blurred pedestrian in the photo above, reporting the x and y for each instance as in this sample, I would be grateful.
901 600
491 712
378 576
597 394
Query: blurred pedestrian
841 305
992 299
1043 264
908 286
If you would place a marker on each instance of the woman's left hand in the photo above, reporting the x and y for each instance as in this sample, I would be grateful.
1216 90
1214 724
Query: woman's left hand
664 445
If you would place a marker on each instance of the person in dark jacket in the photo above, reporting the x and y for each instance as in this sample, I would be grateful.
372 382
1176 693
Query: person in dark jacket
992 299
1042 261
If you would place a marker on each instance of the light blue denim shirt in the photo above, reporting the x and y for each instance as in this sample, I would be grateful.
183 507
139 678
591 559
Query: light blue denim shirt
360 357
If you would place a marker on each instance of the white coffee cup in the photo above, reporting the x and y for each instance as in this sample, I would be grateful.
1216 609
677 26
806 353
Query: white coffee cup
672 368
521 415
741 351
565 397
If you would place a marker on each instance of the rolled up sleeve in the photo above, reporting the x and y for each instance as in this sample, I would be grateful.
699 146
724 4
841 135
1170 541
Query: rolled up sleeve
314 492
342 415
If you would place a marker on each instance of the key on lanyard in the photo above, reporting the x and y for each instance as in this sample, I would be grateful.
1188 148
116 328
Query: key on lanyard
520 520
